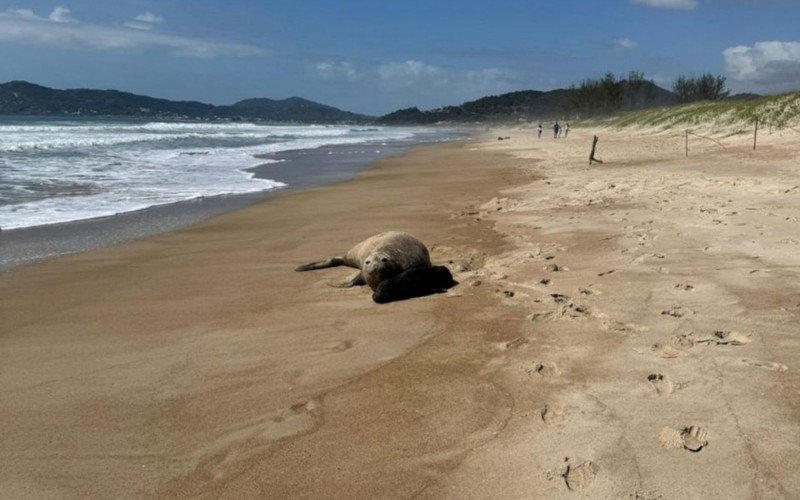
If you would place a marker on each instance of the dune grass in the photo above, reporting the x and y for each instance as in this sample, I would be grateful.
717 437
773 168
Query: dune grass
779 111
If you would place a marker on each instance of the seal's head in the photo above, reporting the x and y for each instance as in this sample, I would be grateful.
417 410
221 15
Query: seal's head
379 266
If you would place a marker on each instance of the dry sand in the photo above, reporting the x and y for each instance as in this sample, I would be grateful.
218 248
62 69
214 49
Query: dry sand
611 321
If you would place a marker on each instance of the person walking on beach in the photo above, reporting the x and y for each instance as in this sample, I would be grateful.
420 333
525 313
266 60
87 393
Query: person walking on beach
556 128
540 131
566 130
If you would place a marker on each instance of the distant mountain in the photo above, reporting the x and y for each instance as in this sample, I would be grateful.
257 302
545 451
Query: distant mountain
24 98
292 109
525 105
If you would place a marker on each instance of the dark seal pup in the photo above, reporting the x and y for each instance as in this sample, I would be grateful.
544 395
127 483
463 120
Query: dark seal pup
378 258
414 282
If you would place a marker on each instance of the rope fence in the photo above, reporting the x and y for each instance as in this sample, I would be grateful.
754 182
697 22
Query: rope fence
757 122
689 132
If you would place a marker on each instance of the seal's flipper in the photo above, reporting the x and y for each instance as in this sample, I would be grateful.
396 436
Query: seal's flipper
358 280
334 262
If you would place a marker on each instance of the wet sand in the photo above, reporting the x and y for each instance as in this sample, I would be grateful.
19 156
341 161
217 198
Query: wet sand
601 312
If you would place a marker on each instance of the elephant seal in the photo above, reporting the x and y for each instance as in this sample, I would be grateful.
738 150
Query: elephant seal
378 258
414 282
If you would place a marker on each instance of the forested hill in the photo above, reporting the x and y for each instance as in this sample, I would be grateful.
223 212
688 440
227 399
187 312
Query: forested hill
539 105
24 98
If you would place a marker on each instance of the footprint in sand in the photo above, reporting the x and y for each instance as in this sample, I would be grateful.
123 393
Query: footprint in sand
553 414
677 312
541 316
567 309
575 311
724 338
766 365
333 347
685 340
606 273
624 328
544 369
512 344
667 351
686 287
661 383
579 477
691 438
648 257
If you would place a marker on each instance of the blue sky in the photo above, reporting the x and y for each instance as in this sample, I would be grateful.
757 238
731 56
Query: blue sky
376 56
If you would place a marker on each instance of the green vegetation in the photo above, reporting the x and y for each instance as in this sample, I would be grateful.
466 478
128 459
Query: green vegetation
702 88
778 111
610 94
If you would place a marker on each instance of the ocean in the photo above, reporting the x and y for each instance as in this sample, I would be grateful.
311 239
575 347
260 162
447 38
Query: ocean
55 170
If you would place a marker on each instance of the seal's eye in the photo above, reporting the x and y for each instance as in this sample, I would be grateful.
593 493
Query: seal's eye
367 262
384 259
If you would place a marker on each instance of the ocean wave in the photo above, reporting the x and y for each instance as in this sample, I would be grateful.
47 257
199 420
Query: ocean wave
54 210
41 140
58 172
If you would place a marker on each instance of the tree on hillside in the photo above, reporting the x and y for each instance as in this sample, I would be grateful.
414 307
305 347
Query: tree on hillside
706 87
711 88
593 97
683 89
640 92
611 94
612 89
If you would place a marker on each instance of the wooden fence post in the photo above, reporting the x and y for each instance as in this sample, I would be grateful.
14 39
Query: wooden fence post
755 135
687 143
591 155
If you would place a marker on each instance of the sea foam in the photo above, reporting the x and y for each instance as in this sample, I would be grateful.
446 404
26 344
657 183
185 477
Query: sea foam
61 170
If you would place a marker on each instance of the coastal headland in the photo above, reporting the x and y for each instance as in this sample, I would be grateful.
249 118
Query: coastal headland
625 330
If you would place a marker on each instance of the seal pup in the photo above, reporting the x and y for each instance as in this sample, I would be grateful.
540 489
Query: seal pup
414 282
378 258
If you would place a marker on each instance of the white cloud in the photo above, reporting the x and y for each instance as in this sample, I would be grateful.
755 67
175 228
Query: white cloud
23 13
771 66
149 17
60 15
63 31
669 4
626 44
338 69
146 21
411 72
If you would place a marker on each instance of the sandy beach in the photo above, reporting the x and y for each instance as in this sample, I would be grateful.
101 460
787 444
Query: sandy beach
625 330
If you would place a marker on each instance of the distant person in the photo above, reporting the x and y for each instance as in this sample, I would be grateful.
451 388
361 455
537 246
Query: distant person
556 129
540 131
566 130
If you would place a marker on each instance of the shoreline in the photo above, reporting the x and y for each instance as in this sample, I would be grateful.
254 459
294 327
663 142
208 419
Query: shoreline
301 169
